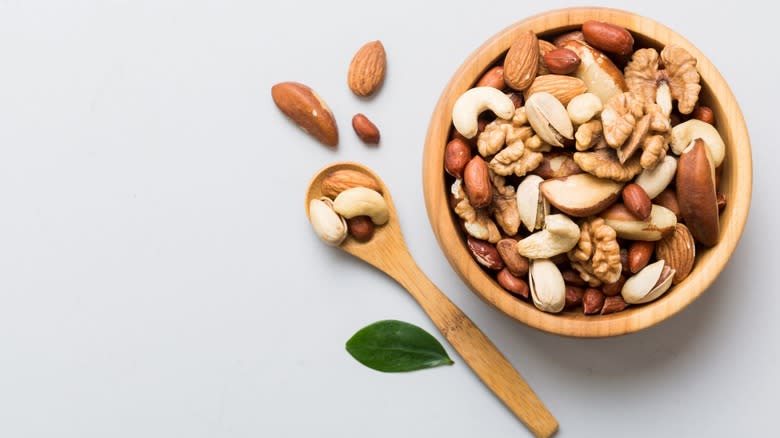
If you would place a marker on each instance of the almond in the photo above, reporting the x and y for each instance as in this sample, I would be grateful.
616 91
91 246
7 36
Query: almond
361 228
613 289
305 107
678 250
493 78
561 61
522 61
517 286
608 37
573 296
339 180
696 193
636 201
639 254
457 154
365 129
367 69
613 305
485 253
515 263
592 301
476 183
563 88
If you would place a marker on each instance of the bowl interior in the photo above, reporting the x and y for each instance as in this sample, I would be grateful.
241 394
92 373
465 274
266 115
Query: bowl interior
735 179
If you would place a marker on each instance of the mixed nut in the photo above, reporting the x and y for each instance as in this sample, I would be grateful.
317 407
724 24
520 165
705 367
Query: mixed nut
581 184
352 204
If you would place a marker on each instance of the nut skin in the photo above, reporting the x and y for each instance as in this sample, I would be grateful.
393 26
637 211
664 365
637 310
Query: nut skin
361 228
493 78
575 35
304 107
515 285
557 165
636 201
573 296
639 254
365 129
668 199
592 301
624 260
339 180
613 305
367 69
705 114
613 289
476 182
485 253
457 154
515 263
721 198
571 277
608 37
696 194
516 99
561 61
522 61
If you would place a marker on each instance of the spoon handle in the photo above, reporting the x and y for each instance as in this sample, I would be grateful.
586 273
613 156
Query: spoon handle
478 352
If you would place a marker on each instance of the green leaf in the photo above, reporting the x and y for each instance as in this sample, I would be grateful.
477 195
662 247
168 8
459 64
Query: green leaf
396 346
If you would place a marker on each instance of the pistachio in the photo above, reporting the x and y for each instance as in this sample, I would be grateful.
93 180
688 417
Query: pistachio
549 118
548 290
648 284
328 225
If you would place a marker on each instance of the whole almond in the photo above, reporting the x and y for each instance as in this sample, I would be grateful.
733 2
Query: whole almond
517 286
305 107
639 254
668 199
561 61
613 304
515 263
457 154
564 88
493 78
365 129
575 35
367 69
361 228
522 61
571 277
678 250
573 296
613 289
704 113
339 180
485 253
592 301
636 201
608 37
476 182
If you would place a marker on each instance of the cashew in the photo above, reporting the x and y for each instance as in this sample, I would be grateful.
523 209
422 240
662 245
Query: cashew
684 133
360 201
654 181
583 108
328 225
548 289
471 103
560 234
648 284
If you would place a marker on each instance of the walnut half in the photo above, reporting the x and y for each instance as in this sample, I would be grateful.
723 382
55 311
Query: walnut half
597 254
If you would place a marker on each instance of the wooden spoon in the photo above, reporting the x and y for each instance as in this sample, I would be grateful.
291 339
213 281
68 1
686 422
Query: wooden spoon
387 252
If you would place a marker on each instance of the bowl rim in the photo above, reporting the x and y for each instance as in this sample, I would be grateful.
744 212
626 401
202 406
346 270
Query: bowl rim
710 262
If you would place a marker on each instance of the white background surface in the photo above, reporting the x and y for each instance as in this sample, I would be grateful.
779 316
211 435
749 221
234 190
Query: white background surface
158 277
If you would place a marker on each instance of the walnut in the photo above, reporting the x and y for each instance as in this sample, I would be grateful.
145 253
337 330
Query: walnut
654 150
477 222
619 117
502 132
588 135
515 159
536 144
644 79
604 163
651 134
504 206
597 254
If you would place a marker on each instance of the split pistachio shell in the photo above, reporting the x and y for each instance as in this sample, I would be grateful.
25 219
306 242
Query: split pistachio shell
648 284
328 225
549 118
560 234
548 289
686 132
532 205
361 201
476 100
654 181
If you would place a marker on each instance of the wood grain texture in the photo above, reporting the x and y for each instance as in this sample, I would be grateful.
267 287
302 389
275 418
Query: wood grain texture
736 179
387 252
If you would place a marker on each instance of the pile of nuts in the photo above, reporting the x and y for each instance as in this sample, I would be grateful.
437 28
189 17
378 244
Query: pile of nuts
352 203
538 180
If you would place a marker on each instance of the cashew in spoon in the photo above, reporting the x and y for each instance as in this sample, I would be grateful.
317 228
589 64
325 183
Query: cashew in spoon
360 201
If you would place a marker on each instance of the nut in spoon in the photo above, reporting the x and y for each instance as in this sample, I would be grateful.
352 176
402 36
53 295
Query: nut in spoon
387 252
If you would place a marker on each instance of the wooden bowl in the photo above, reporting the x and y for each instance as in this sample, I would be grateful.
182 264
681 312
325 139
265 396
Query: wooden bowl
736 180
